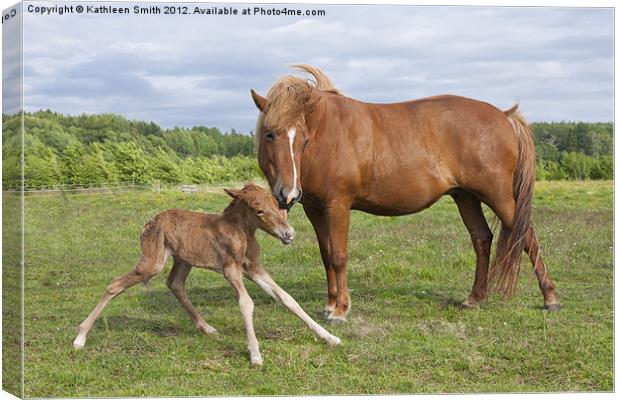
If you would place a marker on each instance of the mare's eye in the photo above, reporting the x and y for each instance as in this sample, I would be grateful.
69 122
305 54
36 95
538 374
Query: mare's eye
259 213
269 136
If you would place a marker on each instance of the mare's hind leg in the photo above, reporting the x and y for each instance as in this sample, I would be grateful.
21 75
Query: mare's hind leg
176 283
547 287
481 238
505 210
144 270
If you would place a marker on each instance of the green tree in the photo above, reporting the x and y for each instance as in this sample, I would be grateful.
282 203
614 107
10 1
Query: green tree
576 165
41 168
602 168
165 169
131 163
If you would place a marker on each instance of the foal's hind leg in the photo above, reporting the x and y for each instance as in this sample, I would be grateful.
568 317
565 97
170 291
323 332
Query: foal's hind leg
547 287
144 270
176 283
481 238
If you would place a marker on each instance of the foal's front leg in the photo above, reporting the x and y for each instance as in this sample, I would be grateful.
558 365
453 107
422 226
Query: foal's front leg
262 279
233 274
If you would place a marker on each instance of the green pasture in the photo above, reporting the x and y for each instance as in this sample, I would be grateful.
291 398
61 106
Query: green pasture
404 335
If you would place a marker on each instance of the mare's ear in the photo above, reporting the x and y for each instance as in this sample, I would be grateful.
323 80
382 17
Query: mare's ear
260 101
235 194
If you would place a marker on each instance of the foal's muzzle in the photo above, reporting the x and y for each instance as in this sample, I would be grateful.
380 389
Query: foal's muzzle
287 236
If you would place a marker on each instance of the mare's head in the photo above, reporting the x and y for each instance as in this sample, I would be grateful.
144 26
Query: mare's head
263 211
282 133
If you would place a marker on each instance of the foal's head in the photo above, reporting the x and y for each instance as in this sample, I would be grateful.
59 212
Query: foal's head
282 133
263 211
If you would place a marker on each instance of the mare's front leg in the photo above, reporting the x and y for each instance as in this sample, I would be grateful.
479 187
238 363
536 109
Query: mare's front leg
258 275
317 219
233 274
337 223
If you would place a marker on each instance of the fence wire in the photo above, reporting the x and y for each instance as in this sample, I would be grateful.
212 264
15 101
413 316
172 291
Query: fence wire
119 187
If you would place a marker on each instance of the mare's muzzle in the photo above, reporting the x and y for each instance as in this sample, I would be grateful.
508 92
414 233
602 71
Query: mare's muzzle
283 196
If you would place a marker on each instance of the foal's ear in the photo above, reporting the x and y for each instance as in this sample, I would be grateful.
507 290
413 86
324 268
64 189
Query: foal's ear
260 101
233 193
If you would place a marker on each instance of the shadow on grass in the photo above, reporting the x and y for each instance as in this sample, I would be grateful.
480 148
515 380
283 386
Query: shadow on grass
158 302
121 323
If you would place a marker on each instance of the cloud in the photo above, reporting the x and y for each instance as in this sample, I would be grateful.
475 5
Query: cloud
11 66
190 70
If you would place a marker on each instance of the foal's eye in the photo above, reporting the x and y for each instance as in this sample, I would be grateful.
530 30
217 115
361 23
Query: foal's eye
259 213
269 136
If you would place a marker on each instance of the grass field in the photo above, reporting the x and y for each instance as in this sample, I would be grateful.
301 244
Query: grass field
404 334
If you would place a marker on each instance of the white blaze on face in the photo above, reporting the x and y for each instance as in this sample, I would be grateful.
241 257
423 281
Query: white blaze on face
294 192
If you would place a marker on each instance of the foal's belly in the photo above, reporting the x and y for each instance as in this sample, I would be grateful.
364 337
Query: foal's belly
204 257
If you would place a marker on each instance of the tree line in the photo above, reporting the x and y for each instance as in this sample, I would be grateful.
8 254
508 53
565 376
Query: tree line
103 149
573 150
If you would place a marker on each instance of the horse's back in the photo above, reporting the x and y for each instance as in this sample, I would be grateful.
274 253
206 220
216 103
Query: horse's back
411 153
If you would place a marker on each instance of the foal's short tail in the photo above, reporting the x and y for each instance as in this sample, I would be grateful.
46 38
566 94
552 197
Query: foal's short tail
512 240
152 241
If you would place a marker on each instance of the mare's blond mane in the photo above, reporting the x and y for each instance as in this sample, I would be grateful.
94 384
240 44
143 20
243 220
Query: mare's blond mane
289 98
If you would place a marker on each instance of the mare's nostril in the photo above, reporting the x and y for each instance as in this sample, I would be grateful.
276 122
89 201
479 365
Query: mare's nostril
279 195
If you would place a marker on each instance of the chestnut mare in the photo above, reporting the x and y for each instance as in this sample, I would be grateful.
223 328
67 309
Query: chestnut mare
397 159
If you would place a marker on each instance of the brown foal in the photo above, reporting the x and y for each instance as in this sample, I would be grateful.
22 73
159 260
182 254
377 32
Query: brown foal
224 243
397 159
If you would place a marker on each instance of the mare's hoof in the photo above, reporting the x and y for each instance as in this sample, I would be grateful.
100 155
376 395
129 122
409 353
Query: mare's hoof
468 305
336 319
553 307
327 312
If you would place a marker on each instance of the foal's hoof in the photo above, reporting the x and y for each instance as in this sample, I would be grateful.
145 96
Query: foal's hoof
206 328
256 360
553 307
333 340
79 343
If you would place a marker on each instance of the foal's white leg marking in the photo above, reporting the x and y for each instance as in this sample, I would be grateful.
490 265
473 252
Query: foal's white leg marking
87 324
268 285
291 139
233 275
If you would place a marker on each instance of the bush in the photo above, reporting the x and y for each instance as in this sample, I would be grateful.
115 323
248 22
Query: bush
131 163
576 165
602 168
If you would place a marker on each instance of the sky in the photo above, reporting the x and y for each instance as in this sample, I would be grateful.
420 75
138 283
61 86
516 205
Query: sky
188 70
